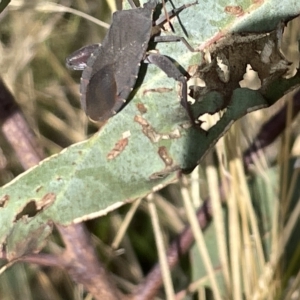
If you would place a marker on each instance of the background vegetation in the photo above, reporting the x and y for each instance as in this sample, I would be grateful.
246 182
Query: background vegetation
262 257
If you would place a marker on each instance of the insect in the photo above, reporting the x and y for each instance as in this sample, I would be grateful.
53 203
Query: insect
110 69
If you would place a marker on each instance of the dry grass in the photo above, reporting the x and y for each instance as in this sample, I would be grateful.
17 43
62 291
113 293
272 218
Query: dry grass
35 39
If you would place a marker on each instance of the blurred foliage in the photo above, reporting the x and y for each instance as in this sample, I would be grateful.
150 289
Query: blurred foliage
35 39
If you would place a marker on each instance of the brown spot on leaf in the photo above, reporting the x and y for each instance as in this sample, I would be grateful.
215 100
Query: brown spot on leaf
147 129
4 200
157 90
118 149
164 155
152 134
38 188
234 10
164 173
46 201
141 107
141 121
169 167
258 1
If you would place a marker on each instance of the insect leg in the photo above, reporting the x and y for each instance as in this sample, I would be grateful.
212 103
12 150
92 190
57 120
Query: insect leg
171 14
166 65
174 38
131 3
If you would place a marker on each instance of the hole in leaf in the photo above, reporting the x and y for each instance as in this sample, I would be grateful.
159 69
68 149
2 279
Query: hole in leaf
250 79
29 210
